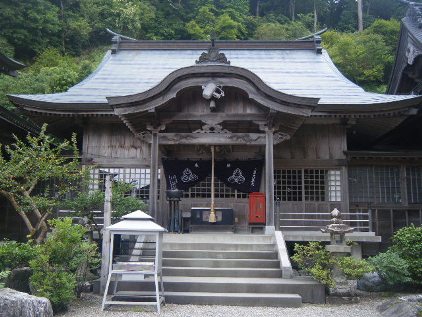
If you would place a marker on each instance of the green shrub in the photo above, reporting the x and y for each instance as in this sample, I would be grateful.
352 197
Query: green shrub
52 281
391 267
314 259
354 268
14 254
322 274
407 242
63 263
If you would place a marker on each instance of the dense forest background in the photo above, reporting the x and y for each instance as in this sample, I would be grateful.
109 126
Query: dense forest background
63 41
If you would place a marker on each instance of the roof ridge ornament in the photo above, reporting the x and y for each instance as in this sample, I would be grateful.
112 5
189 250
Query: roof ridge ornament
213 56
415 13
318 45
116 40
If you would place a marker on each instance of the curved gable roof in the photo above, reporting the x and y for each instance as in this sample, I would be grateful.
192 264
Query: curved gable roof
294 71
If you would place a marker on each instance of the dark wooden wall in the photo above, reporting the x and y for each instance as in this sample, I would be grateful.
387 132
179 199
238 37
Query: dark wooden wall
112 144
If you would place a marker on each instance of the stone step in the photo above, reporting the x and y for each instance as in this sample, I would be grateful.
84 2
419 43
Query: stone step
220 272
213 254
230 299
310 290
221 263
219 246
217 237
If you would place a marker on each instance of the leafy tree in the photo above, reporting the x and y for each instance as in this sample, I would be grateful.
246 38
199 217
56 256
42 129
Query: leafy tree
227 28
6 48
30 25
34 173
277 31
51 72
204 23
362 57
389 30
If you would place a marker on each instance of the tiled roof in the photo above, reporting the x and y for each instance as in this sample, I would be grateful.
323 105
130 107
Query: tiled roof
298 72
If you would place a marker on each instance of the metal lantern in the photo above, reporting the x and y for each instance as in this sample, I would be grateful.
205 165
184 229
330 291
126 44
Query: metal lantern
140 260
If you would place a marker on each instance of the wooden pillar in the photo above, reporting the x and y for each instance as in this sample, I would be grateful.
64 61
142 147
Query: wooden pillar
269 180
153 187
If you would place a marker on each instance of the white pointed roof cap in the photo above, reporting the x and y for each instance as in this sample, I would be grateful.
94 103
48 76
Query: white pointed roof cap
136 222
138 215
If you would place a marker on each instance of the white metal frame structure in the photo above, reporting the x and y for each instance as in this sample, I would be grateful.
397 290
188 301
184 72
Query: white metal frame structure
141 225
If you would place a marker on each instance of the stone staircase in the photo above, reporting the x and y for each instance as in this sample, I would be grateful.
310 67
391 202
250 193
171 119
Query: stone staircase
227 269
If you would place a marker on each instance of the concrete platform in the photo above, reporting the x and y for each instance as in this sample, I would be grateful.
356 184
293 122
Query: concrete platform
309 290
320 236
227 269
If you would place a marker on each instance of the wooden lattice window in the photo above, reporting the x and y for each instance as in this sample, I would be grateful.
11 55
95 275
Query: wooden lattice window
203 190
307 184
288 185
374 184
138 177
414 184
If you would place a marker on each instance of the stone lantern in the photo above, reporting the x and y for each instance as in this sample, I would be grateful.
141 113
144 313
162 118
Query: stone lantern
337 247
337 230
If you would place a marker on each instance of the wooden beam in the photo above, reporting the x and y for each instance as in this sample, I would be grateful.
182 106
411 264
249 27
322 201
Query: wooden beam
214 117
207 138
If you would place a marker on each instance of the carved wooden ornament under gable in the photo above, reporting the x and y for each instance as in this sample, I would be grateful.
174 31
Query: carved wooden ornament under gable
212 128
213 56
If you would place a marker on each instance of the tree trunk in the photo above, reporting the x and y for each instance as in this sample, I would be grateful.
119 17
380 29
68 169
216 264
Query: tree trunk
315 18
40 220
360 16
258 2
63 26
292 9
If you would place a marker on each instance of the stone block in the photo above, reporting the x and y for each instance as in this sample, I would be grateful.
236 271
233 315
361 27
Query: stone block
19 279
19 304
400 308
372 282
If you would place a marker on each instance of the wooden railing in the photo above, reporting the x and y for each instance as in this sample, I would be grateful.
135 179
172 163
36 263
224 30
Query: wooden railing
388 219
360 219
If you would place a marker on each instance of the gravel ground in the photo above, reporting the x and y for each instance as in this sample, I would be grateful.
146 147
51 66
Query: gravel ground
90 306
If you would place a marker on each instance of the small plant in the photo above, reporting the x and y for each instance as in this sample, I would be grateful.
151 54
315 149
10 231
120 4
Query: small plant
63 262
354 268
407 242
391 267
